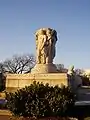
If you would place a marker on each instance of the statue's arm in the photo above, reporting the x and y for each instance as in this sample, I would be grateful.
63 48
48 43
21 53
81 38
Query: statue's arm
43 43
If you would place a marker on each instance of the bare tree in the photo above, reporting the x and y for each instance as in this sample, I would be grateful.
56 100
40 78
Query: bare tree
2 70
59 66
19 64
79 71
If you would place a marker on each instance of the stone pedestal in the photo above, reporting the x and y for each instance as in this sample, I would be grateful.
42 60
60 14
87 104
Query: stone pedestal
44 68
16 81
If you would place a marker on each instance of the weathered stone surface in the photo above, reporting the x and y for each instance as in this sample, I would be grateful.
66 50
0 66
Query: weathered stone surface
45 48
75 80
45 45
15 81
44 68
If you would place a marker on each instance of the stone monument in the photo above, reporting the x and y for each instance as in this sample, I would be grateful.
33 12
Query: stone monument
46 39
44 71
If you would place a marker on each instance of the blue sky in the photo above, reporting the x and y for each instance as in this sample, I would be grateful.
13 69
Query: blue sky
19 19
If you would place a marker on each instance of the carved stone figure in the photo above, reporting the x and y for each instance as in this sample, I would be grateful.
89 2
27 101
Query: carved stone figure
71 70
45 45
45 48
40 46
74 80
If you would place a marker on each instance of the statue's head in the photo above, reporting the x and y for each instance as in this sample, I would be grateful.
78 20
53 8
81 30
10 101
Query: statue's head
40 32
71 68
48 32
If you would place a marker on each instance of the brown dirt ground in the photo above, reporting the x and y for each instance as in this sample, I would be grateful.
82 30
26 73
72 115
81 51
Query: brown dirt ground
4 117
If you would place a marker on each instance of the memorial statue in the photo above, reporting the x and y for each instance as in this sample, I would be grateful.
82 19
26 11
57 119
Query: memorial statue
71 70
45 51
74 80
45 45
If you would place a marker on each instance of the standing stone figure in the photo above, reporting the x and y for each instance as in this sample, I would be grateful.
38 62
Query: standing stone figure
45 49
71 70
45 45
74 80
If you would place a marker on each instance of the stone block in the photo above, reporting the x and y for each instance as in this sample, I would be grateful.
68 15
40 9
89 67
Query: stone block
16 81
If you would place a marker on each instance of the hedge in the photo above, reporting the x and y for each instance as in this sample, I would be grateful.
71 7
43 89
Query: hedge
39 100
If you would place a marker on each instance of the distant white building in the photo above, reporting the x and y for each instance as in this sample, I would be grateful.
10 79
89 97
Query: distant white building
87 72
